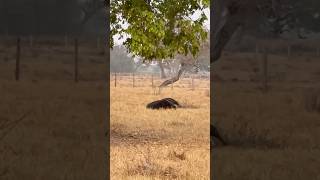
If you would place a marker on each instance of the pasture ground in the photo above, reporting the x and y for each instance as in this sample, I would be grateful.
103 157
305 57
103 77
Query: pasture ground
271 135
159 144
63 136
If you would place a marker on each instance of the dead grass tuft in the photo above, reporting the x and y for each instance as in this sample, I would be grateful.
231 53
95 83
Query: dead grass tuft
174 155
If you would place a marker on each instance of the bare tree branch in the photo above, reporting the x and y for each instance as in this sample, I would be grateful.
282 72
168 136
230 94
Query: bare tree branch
175 78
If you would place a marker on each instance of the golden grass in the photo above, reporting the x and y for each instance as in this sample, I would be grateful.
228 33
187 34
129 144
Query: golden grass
64 135
271 135
159 144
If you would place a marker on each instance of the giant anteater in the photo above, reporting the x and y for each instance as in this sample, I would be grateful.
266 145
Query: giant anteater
214 133
166 103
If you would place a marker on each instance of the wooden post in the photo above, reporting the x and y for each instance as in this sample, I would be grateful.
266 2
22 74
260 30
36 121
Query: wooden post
265 69
115 79
76 51
132 79
171 84
192 82
152 80
318 52
17 71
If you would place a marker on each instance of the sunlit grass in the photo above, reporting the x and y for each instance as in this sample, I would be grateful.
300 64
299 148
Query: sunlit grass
159 144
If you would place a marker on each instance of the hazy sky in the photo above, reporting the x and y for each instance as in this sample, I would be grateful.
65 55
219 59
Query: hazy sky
197 14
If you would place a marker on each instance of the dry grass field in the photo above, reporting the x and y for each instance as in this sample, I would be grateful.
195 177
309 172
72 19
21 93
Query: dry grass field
160 144
271 135
63 133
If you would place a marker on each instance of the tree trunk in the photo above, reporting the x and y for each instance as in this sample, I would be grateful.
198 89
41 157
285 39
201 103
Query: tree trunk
227 17
163 74
175 78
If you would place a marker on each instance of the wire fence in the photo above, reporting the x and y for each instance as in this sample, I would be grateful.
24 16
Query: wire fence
134 80
58 58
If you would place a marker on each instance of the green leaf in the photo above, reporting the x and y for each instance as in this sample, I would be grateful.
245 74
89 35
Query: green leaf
161 29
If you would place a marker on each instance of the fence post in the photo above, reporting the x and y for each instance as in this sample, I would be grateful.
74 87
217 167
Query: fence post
76 51
133 79
115 79
265 69
171 84
152 80
192 82
17 71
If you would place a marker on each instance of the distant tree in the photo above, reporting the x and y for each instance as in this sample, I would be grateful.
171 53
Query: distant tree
120 61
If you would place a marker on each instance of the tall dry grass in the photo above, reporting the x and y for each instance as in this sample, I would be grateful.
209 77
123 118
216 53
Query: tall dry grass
159 144
64 135
274 134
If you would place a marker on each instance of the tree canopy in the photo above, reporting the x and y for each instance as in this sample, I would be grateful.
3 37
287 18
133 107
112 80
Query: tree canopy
159 29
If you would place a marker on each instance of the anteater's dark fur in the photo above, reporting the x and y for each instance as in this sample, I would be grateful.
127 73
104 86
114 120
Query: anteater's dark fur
166 103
